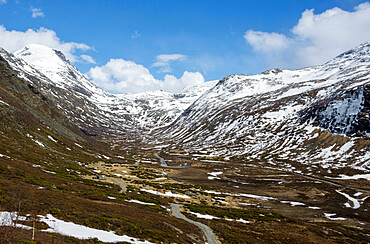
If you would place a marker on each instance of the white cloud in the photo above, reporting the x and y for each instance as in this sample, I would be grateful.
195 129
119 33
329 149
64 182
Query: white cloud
2 1
163 61
87 59
135 35
122 76
316 38
15 40
37 12
263 41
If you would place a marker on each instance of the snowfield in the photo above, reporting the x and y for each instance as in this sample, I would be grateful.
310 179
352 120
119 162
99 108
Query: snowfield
69 228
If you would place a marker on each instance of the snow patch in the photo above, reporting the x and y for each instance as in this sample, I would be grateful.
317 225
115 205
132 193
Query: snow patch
140 202
69 229
330 216
203 216
166 194
52 139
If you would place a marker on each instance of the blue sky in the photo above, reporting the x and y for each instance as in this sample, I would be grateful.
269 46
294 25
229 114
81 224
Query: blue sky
213 37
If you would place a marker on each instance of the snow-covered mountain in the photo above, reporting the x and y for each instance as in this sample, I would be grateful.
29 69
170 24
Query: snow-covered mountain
96 111
316 116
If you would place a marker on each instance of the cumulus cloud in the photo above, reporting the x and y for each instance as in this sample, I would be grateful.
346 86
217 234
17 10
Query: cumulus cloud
37 12
263 41
135 35
163 61
15 40
87 59
122 76
316 38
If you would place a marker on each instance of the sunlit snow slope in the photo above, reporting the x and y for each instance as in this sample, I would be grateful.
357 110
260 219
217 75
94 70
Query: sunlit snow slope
315 115
97 112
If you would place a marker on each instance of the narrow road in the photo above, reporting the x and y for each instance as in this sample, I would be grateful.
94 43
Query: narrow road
208 233
123 187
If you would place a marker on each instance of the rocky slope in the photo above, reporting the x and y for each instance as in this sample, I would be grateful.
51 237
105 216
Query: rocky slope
97 112
315 116
42 167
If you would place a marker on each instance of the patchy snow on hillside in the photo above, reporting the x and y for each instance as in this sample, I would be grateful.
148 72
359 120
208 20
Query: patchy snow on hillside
4 103
214 175
140 202
39 143
356 203
203 216
52 139
68 228
252 116
331 216
351 177
166 194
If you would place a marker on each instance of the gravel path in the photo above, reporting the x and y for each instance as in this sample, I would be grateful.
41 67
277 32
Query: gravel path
116 181
208 233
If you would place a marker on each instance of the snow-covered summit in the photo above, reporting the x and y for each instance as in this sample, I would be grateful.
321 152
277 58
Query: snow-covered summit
265 114
352 63
54 65
42 57
271 113
144 110
359 53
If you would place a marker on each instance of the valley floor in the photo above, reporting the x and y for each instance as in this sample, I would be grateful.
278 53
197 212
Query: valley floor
242 202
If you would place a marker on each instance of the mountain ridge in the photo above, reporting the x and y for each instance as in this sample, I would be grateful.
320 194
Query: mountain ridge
275 115
270 153
239 116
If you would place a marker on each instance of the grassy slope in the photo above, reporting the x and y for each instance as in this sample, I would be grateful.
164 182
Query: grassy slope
26 183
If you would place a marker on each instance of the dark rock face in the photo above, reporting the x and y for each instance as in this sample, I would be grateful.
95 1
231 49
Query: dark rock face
344 114
61 56
363 123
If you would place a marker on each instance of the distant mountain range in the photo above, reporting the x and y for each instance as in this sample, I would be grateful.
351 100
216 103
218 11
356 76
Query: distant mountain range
300 120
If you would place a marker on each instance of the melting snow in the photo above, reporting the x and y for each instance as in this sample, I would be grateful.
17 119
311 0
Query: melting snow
242 195
329 216
49 172
204 216
78 145
356 203
166 194
314 207
293 203
39 143
214 175
353 177
2 102
51 138
140 202
70 229
83 232
242 221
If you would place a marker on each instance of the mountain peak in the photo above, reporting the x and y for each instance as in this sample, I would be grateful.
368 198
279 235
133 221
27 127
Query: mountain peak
360 52
42 56
53 64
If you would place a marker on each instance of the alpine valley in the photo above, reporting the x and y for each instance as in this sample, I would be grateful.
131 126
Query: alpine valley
282 156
